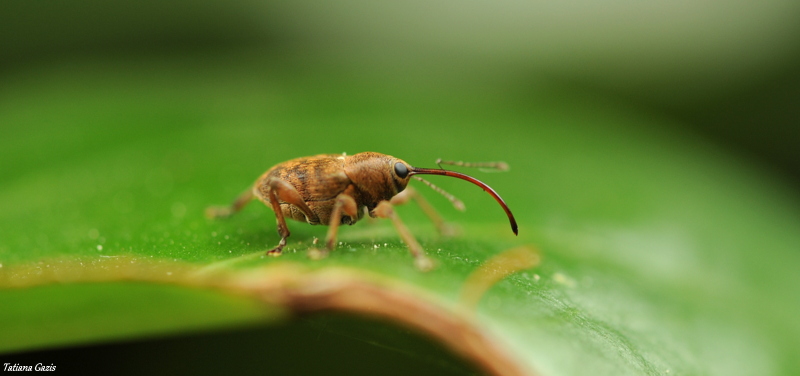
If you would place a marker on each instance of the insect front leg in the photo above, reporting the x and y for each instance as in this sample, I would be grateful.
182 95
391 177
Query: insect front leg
444 228
278 190
386 210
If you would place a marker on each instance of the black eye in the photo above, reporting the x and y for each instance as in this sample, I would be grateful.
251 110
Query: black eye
401 170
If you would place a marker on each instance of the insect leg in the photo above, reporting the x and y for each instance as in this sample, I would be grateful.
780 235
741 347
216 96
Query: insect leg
288 194
344 203
278 190
444 228
241 201
385 210
283 230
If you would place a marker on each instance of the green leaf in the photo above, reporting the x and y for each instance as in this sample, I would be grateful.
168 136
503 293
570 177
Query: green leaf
661 253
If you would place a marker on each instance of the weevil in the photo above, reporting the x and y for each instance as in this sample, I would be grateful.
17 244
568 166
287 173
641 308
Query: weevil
337 189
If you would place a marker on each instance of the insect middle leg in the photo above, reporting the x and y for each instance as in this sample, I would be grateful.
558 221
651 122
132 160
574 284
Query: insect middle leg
344 204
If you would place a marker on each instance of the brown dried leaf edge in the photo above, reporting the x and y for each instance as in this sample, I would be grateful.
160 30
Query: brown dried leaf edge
300 290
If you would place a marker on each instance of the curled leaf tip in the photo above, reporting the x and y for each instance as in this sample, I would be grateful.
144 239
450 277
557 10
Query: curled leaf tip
494 270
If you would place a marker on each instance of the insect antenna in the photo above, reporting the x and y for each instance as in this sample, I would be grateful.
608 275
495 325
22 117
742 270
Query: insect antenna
481 166
458 204
488 189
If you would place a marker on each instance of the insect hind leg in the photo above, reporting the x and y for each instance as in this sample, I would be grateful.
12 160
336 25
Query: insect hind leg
276 191
214 212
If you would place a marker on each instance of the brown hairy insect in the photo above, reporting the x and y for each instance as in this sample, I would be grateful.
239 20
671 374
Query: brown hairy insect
337 189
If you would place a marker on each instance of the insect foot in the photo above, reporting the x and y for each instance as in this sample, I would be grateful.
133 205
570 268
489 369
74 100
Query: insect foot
275 252
315 253
424 264
214 212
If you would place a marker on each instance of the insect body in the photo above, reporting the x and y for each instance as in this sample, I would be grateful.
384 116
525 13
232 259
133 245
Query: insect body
336 189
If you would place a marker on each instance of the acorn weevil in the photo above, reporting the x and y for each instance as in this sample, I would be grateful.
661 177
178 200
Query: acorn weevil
337 189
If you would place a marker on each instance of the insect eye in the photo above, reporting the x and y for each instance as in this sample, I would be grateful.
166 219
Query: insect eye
401 170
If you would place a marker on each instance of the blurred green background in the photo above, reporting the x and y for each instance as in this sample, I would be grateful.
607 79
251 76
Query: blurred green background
673 121
727 71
